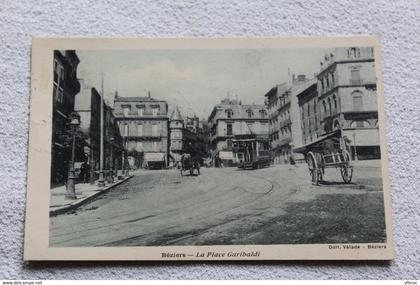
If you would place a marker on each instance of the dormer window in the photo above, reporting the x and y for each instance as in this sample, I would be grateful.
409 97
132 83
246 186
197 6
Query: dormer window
229 113
263 113
140 111
353 52
155 110
250 113
126 110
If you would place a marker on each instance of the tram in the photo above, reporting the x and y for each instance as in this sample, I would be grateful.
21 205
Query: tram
251 151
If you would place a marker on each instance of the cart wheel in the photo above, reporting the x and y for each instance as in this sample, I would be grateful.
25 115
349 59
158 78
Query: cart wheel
313 168
346 173
347 169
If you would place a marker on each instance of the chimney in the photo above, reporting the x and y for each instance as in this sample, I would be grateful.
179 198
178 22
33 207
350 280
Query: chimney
148 95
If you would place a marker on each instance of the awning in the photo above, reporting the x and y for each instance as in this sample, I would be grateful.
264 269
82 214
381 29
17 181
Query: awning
305 148
227 155
154 156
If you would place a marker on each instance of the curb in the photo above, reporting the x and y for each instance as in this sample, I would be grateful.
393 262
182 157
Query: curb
76 204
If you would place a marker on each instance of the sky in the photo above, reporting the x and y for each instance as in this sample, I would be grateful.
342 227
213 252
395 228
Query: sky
196 80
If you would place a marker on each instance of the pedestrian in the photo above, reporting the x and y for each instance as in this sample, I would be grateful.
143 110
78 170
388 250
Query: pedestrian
87 173
84 172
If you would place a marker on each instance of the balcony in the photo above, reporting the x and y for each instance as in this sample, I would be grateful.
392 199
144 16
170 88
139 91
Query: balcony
145 137
328 116
147 115
283 105
285 141
284 123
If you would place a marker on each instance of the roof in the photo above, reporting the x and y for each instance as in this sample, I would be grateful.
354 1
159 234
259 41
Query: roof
176 115
239 110
136 99
299 89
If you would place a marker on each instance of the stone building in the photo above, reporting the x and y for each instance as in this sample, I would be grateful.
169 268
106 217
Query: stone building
176 127
347 99
309 111
88 106
230 118
186 136
143 121
284 118
65 88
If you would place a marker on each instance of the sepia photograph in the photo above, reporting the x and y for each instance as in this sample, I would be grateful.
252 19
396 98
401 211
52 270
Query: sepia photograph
173 147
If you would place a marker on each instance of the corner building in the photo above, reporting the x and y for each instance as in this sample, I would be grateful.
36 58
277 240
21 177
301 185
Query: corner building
285 124
143 123
348 100
65 88
230 118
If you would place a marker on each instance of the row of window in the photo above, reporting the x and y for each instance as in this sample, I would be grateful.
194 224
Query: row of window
276 135
250 113
142 129
309 124
330 105
149 146
327 106
141 110
279 101
58 82
250 126
283 115
328 81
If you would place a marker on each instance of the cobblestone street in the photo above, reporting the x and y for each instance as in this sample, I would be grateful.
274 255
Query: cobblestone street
271 205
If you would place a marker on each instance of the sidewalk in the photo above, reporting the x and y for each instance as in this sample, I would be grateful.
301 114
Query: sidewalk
85 192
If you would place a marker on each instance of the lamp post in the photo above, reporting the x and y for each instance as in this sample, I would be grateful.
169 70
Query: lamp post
111 163
123 151
354 146
71 177
101 181
127 163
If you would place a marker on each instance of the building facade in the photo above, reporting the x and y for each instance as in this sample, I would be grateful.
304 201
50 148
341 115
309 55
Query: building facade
309 112
348 100
230 118
176 134
284 118
143 122
65 88
186 136
88 106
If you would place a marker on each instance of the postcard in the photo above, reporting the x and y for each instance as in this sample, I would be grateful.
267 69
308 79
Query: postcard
207 149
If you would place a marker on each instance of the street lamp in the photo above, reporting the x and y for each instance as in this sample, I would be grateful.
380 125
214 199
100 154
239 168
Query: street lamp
111 164
354 145
71 177
123 150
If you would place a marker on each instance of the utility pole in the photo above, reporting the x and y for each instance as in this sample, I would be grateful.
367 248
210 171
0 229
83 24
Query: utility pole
101 182
123 149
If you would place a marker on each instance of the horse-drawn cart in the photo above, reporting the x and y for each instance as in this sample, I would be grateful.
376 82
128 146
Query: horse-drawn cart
328 151
189 163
